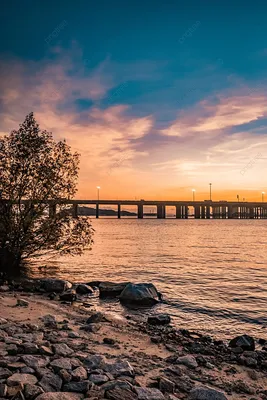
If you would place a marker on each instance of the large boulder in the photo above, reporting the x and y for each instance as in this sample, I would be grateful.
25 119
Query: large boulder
246 342
84 289
55 285
140 294
111 289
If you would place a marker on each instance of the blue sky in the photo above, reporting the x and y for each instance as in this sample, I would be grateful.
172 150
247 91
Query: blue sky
180 87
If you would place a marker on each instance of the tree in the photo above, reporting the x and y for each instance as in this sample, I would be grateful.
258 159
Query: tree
37 176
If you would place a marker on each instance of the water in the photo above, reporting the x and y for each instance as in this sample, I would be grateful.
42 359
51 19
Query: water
212 273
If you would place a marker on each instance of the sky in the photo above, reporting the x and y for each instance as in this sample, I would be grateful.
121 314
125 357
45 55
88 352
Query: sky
158 97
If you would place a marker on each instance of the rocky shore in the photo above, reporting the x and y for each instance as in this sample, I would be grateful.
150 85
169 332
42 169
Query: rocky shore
55 346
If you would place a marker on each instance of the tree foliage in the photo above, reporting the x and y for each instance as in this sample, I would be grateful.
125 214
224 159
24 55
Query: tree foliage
37 176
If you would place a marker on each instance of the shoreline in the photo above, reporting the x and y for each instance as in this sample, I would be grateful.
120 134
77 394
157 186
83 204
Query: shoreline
135 360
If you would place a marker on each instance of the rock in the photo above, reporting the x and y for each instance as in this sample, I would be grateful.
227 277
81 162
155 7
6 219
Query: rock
22 379
13 391
73 335
77 387
16 365
35 361
4 373
119 368
3 390
109 341
159 319
95 362
46 351
69 296
64 375
189 361
148 394
166 386
50 321
206 393
120 394
59 396
111 289
62 349
30 348
84 289
79 374
98 379
61 363
51 382
22 303
246 342
55 285
141 294
91 328
96 318
32 391
4 288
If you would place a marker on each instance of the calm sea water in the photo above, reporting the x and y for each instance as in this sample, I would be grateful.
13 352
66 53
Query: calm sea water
212 273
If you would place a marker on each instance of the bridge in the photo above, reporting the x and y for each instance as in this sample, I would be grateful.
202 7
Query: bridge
201 209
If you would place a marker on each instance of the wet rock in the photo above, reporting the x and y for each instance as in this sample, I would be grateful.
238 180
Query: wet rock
62 349
55 285
140 294
166 386
84 289
61 363
246 342
111 289
22 303
189 361
119 394
79 374
119 368
98 379
22 379
159 319
77 387
206 393
59 396
51 383
148 394
32 391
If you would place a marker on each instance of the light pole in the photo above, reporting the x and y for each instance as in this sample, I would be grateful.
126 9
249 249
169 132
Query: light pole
193 191
262 196
237 198
98 188
210 190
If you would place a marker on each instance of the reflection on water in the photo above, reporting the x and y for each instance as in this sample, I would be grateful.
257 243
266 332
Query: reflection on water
213 274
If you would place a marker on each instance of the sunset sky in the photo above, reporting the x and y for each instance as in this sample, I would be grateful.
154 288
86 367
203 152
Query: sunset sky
159 97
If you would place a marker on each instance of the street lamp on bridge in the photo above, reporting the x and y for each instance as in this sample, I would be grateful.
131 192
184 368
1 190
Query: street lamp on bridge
193 191
262 196
98 188
210 190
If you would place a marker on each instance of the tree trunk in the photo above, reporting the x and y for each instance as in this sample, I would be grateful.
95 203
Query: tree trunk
10 264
